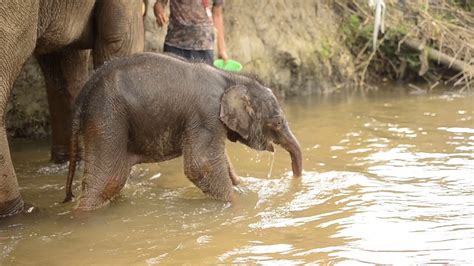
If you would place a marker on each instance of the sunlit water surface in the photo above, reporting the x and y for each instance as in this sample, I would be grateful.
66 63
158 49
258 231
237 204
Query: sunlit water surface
388 179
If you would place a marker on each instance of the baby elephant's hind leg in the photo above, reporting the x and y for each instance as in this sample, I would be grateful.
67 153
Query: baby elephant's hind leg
107 166
99 188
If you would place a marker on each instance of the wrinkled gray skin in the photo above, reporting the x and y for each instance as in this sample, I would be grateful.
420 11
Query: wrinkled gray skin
59 33
153 107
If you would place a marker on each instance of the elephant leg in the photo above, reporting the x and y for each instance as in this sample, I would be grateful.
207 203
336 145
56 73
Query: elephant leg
233 176
101 183
205 164
64 73
107 163
120 30
11 202
17 42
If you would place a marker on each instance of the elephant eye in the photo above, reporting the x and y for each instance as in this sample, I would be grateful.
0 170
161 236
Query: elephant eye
277 123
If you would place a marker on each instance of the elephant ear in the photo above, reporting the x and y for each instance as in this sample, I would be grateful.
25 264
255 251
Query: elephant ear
236 110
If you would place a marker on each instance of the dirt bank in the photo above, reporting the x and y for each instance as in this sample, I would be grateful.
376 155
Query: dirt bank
293 46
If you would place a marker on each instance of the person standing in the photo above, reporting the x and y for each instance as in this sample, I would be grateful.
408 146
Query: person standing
191 28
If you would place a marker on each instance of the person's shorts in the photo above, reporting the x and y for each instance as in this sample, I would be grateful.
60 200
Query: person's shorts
205 56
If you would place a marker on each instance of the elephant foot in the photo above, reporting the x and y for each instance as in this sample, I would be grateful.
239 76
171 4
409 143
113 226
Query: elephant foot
222 194
59 154
90 204
11 208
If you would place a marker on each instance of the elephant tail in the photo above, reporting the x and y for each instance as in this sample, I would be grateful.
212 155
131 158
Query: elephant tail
73 157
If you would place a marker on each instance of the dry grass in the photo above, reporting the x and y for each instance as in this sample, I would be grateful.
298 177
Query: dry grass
434 39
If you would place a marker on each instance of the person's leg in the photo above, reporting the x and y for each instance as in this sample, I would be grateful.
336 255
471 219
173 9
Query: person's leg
177 51
205 56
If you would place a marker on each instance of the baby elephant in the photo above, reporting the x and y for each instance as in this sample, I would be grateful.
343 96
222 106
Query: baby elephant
152 107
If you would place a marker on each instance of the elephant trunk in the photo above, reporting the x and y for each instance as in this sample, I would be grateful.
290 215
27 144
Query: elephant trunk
289 142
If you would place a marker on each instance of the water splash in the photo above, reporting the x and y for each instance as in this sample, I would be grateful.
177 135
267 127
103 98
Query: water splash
271 165
53 169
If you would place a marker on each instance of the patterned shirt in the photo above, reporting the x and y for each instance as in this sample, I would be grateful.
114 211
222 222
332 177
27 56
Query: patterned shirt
191 25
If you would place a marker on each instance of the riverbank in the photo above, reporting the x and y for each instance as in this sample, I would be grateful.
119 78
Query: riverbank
297 48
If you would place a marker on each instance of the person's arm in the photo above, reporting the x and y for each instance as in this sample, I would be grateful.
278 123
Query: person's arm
219 24
159 10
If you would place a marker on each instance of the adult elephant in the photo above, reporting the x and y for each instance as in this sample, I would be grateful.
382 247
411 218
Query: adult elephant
60 33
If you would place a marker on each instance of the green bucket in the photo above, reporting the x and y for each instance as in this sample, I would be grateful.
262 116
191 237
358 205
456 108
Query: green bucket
230 65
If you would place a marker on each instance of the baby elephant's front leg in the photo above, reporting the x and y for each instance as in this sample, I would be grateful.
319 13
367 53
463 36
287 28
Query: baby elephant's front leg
205 164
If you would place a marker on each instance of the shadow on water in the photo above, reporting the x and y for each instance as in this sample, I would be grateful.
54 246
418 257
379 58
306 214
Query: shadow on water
388 178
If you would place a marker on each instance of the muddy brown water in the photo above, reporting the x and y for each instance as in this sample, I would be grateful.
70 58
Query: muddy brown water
387 179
